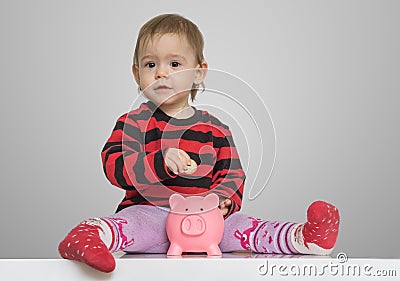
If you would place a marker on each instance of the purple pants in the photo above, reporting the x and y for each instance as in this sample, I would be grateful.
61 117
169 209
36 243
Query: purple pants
141 229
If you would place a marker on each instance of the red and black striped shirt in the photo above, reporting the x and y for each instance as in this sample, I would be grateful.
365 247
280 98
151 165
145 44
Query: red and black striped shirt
133 157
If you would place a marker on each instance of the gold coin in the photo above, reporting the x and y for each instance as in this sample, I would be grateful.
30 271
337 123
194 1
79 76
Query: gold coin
192 168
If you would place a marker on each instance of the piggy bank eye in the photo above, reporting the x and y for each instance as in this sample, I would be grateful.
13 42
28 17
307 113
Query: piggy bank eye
201 209
186 209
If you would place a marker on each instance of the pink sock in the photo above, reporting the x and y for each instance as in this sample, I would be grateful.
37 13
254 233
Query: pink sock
319 234
84 244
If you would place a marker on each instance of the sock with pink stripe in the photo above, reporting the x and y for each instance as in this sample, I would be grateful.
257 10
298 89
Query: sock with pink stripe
317 236
248 233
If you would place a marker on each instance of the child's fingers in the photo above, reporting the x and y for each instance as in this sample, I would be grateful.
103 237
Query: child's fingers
182 160
171 159
172 166
179 157
224 206
178 163
224 211
184 157
224 201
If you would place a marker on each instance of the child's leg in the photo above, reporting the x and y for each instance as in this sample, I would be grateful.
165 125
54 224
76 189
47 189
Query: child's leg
317 236
136 229
141 229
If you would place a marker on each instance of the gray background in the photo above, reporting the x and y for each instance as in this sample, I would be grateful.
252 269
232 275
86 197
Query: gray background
328 71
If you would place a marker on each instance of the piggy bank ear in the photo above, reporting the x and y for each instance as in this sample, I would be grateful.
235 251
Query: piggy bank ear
175 199
212 199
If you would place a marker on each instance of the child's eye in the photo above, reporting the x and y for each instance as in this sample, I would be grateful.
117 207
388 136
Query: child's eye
150 64
175 64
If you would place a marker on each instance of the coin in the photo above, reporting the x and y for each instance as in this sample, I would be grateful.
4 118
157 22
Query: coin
190 169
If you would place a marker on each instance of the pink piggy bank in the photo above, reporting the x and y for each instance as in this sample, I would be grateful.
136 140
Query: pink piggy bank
194 224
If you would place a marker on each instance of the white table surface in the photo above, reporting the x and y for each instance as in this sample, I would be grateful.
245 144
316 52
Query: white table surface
231 266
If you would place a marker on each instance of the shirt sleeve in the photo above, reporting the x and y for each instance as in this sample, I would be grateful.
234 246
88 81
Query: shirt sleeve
126 164
228 175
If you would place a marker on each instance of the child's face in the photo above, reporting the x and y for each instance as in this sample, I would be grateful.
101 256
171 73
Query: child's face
167 70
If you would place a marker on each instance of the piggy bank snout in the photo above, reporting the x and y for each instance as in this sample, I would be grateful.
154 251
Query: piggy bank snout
193 225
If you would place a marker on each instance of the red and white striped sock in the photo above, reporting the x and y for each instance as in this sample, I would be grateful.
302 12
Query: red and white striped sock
89 243
319 234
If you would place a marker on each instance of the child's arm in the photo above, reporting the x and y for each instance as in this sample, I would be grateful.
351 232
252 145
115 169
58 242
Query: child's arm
125 163
228 175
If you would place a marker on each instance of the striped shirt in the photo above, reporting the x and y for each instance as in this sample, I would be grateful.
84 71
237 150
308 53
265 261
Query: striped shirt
133 157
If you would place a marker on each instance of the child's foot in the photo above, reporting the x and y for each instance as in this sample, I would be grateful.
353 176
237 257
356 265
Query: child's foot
318 235
84 244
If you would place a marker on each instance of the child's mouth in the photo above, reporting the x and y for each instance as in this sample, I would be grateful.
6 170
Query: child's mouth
163 88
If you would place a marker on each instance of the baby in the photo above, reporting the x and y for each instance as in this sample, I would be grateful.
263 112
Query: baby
166 146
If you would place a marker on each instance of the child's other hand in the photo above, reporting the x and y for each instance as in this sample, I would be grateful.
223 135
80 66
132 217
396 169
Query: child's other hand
224 206
176 160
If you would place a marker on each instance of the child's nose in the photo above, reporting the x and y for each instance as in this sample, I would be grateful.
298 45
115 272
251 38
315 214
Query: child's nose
161 73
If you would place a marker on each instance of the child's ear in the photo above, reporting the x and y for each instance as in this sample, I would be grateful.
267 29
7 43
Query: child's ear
201 72
135 71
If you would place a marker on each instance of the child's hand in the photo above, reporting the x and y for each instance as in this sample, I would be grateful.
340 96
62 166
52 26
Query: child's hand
224 206
176 160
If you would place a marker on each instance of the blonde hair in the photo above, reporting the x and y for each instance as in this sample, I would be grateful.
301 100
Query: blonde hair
174 24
